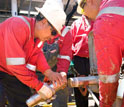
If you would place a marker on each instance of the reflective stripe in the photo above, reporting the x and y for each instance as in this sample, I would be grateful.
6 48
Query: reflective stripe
112 10
26 23
64 57
15 61
109 78
39 45
64 32
31 67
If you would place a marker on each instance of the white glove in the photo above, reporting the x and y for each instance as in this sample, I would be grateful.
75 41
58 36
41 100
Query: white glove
63 74
46 92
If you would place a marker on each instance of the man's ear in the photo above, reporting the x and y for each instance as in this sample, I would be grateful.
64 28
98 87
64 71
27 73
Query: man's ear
41 23
44 21
90 2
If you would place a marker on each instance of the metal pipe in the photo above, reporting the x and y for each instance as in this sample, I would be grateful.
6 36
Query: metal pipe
36 98
14 7
93 96
29 9
79 81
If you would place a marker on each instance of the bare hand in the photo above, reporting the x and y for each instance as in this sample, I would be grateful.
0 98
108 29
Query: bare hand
55 77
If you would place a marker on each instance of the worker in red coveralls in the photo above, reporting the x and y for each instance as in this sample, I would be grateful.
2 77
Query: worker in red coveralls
108 34
59 54
65 53
80 30
63 62
81 56
21 42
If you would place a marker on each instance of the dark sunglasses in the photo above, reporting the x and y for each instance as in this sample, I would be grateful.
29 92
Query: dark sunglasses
53 31
82 4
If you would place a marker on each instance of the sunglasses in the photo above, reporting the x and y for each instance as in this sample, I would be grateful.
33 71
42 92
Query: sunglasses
53 31
82 4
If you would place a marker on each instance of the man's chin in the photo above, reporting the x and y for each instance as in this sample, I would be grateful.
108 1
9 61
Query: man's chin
43 40
47 39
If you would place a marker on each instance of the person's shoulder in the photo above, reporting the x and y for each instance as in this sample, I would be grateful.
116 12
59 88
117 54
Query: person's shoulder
22 22
80 20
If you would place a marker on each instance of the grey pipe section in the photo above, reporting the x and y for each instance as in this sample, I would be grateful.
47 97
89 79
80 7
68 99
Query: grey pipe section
79 81
29 9
14 7
36 98
93 96
92 54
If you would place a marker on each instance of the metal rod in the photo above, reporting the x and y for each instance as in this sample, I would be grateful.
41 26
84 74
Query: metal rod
14 7
93 96
29 9
79 81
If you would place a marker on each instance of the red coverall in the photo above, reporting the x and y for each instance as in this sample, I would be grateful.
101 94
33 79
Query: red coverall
109 47
64 56
23 55
65 53
19 51
63 62
80 30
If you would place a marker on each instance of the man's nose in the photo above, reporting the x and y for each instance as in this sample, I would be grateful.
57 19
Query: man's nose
52 37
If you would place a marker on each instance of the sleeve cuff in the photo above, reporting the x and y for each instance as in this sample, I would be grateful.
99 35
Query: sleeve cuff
39 86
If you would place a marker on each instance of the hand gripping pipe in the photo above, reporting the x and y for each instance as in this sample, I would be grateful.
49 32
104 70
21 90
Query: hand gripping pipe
36 98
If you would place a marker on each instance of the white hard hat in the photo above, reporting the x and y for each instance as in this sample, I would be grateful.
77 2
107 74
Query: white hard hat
53 11
79 9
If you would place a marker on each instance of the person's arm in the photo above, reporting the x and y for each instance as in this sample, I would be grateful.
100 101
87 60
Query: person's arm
43 66
15 37
65 53
73 31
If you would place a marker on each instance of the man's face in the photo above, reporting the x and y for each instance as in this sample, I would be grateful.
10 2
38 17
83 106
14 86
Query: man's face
45 31
91 8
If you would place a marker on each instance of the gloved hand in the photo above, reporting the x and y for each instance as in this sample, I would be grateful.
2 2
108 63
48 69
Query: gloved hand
46 92
64 79
93 70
